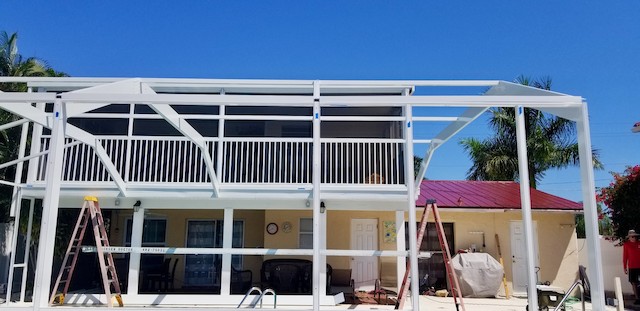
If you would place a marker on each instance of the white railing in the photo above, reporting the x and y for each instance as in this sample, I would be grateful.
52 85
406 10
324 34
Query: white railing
79 163
152 160
267 160
243 161
362 161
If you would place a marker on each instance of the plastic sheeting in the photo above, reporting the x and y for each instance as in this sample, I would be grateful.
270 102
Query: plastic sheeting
480 275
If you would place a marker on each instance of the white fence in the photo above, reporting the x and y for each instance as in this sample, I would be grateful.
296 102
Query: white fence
611 264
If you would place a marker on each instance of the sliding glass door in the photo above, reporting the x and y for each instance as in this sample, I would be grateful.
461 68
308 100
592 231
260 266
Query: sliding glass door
204 270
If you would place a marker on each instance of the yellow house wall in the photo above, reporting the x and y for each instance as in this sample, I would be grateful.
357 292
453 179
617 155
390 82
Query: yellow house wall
338 236
556 237
557 241
177 230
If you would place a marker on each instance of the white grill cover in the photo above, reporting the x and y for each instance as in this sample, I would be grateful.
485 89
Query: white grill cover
479 274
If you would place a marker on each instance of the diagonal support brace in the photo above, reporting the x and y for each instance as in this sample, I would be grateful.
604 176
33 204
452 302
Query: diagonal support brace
111 168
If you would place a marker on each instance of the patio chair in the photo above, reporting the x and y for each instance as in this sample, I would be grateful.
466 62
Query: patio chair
285 278
155 278
341 281
306 278
169 277
240 280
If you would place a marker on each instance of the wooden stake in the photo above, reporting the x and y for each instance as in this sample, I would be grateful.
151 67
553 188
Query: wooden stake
504 278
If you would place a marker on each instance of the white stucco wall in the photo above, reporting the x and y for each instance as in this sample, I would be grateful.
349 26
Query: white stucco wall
611 264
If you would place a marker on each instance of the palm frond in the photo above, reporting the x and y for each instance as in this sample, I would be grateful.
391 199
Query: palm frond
550 143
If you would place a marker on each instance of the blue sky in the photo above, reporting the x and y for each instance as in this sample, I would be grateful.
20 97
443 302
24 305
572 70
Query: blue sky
589 48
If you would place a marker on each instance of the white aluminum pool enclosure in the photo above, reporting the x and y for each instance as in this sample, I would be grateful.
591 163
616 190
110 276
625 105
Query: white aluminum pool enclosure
260 145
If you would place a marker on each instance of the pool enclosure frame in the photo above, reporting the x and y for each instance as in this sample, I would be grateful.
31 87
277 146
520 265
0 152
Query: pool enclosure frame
72 97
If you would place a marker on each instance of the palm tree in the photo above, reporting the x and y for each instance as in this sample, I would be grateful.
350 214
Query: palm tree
13 64
551 143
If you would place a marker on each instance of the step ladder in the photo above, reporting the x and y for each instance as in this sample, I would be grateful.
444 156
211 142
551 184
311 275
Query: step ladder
90 210
444 246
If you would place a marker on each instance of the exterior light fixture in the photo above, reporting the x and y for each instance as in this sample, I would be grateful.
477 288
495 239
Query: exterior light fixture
136 206
322 207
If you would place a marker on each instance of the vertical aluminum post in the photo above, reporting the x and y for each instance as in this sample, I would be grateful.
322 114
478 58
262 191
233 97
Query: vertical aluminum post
32 173
12 257
14 211
316 195
50 208
227 242
129 148
411 206
401 246
323 257
27 251
36 136
525 201
222 111
590 211
137 226
15 198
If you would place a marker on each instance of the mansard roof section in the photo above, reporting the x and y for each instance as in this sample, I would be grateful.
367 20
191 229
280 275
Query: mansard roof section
515 89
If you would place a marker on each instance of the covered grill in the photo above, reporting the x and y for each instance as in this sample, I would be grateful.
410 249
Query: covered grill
479 274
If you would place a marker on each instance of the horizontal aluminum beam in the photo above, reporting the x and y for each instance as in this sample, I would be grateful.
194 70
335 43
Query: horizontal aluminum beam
92 81
327 101
436 119
12 124
453 101
258 117
21 98
246 251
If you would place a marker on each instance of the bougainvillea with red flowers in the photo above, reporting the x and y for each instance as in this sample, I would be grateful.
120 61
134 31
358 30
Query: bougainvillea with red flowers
622 198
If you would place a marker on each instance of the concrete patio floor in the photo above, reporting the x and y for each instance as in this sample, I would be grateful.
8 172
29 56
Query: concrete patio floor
491 304
427 303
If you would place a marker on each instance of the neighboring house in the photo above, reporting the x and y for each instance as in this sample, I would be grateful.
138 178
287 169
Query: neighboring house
212 186
478 210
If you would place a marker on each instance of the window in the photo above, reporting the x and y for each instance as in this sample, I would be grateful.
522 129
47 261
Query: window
306 233
101 126
154 127
432 270
297 129
243 128
153 233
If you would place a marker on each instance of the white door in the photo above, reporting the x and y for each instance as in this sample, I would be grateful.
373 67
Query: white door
519 256
364 269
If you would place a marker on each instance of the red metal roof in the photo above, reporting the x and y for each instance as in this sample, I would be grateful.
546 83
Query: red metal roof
487 195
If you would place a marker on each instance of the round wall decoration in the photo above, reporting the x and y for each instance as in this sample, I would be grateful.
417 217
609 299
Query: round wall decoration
272 228
286 227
